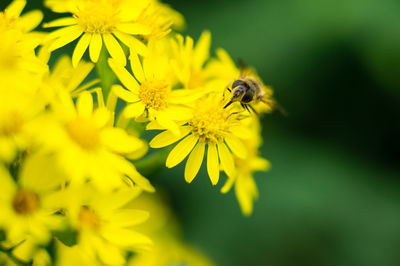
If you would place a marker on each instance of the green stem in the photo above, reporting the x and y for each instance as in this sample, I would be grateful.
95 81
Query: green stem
106 75
9 253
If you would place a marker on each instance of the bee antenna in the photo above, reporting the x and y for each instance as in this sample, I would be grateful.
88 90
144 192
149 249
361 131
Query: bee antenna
229 103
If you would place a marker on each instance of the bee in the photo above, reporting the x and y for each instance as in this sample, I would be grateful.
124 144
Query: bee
249 90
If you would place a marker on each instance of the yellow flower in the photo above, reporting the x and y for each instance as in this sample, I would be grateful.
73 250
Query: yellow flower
104 226
189 61
26 207
212 126
63 77
152 98
11 17
98 21
245 187
88 147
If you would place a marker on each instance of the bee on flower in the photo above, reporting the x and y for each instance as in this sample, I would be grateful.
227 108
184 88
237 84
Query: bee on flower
212 126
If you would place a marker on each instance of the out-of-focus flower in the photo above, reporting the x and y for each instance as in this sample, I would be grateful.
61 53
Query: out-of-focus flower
245 187
104 226
88 147
26 207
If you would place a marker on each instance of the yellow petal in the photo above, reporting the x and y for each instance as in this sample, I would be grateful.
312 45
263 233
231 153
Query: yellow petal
212 163
72 34
128 217
119 141
134 110
114 48
167 137
180 151
30 20
236 146
123 75
202 50
246 192
15 8
226 159
167 123
228 185
136 67
60 22
80 49
124 94
134 28
95 47
194 161
84 104
134 44
125 237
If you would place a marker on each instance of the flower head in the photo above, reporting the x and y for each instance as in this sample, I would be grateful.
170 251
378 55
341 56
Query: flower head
82 137
98 21
213 126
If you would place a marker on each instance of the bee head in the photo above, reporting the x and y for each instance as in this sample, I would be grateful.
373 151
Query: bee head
238 93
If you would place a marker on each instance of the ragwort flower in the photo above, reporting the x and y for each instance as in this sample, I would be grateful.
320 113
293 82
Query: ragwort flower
212 126
98 21
88 147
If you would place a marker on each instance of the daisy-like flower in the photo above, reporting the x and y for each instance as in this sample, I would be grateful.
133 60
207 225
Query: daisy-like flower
104 225
245 187
152 98
26 207
11 17
189 60
213 126
98 21
88 147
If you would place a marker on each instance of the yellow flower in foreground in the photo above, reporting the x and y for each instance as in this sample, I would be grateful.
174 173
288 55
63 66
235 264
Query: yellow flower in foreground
104 225
95 22
26 207
88 147
152 99
213 126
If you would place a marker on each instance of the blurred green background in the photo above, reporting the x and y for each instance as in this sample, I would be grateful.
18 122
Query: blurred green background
332 197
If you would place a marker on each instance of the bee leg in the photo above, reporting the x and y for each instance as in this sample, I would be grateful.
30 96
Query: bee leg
246 107
252 108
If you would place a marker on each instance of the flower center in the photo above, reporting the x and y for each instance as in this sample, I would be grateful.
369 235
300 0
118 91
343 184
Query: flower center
89 218
25 202
84 133
99 16
154 94
209 122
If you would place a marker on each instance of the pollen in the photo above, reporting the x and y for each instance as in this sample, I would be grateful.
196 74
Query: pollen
154 94
25 202
99 16
209 123
84 133
87 217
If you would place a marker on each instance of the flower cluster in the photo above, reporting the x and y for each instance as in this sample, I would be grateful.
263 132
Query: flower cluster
72 142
